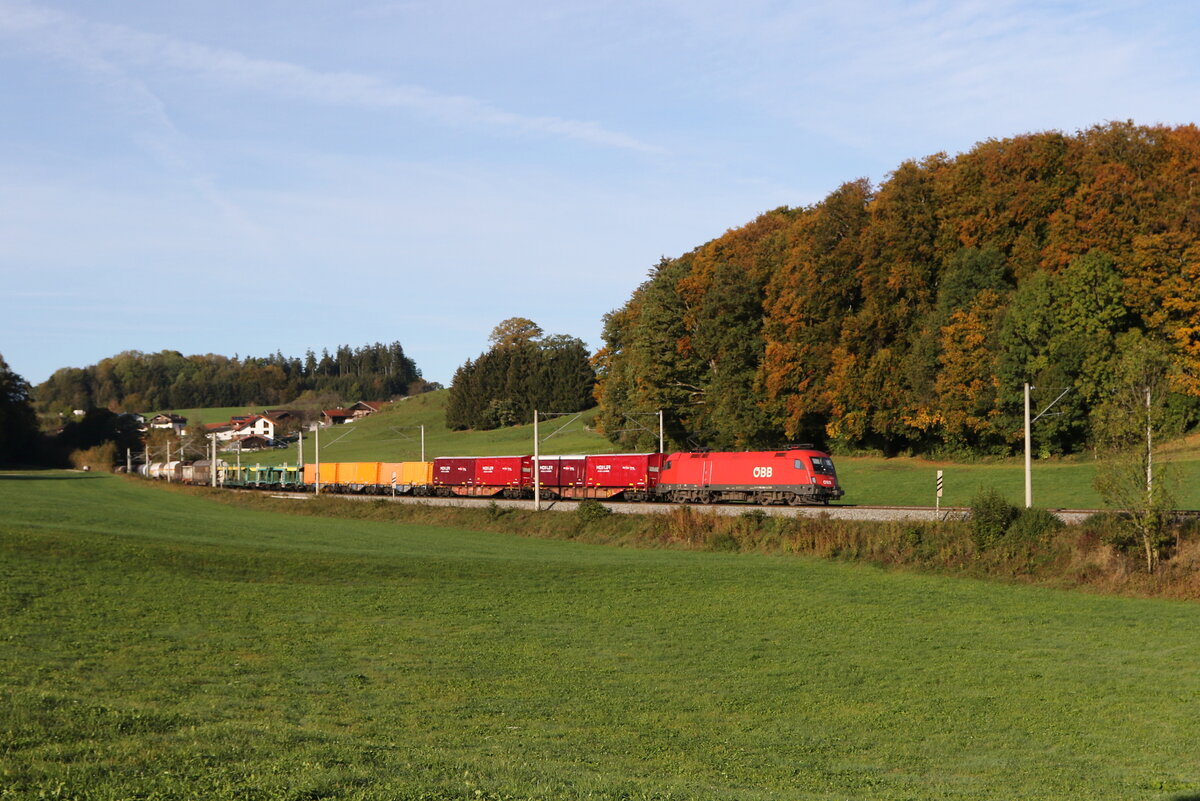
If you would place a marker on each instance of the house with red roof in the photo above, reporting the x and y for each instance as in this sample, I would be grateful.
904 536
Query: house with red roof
364 408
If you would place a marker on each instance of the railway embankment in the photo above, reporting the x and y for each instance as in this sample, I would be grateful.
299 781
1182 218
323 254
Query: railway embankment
1096 553
851 512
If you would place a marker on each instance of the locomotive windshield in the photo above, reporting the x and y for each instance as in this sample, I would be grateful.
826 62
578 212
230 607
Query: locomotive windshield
822 465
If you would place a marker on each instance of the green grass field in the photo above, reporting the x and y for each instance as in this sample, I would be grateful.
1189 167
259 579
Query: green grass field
156 644
1064 484
393 435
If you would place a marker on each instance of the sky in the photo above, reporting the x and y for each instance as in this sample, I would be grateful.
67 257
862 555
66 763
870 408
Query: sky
245 178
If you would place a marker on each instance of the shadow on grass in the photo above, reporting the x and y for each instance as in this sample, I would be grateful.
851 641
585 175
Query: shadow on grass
46 475
1188 797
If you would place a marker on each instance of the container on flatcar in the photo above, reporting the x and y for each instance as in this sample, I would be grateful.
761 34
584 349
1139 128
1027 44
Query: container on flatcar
795 476
391 473
419 475
562 475
632 476
453 474
358 476
329 473
408 477
507 475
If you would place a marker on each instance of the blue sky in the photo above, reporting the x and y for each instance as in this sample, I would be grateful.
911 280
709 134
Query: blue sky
232 177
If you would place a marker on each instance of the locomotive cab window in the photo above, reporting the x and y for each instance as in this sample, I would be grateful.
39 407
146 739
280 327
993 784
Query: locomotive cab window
822 465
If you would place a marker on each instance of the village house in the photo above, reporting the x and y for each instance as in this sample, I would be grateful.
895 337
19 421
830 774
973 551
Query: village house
172 422
255 425
223 432
251 442
364 408
336 417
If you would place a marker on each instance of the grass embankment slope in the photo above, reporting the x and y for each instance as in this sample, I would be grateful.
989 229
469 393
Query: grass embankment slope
1057 483
393 435
159 645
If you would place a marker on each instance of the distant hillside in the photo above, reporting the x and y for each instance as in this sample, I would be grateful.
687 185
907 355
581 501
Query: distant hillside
906 317
135 381
394 435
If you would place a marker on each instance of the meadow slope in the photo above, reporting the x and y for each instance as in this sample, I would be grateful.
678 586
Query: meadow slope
159 645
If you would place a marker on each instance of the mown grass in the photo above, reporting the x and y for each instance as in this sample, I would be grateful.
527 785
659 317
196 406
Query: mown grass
393 435
1057 484
159 645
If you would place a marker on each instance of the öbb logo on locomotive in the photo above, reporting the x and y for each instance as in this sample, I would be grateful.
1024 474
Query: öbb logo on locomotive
796 475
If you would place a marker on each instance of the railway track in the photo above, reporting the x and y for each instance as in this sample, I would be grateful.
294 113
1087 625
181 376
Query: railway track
833 511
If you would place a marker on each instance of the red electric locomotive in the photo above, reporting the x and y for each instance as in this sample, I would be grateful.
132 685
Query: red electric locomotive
794 476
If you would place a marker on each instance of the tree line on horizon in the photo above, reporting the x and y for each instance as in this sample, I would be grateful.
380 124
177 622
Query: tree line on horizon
139 382
907 317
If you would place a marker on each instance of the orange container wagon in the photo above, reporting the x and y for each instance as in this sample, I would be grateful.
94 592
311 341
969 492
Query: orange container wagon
389 472
359 474
329 473
418 474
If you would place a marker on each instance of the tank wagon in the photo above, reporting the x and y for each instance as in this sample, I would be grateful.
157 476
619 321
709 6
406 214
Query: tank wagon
793 475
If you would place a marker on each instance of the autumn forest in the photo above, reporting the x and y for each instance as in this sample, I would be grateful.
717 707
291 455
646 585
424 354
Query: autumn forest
907 317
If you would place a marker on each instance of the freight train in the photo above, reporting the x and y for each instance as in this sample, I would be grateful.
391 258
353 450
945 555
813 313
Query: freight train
794 475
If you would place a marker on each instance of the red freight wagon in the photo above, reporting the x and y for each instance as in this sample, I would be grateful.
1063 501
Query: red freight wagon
503 474
795 476
561 471
631 475
562 476
452 475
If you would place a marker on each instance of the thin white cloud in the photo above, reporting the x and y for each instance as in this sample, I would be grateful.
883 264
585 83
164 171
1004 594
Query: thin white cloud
875 75
95 46
69 39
